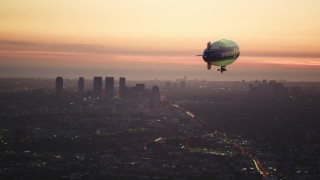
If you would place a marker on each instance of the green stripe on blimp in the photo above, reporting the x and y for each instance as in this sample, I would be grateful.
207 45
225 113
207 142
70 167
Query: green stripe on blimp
223 62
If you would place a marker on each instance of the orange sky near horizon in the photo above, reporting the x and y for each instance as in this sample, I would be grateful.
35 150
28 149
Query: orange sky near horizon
126 38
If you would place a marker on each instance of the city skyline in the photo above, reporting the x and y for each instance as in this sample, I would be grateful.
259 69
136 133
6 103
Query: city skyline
148 39
121 89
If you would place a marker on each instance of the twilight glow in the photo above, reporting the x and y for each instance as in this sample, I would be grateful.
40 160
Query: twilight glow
143 39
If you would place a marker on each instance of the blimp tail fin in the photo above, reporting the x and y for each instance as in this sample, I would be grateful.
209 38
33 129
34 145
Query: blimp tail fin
208 66
209 45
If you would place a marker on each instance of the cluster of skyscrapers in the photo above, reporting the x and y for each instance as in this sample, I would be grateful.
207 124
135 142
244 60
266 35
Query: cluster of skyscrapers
97 86
137 91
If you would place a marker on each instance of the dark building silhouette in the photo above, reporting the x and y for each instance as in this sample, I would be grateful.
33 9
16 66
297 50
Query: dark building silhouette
122 87
97 87
140 87
137 92
81 85
272 82
155 96
265 82
109 87
59 85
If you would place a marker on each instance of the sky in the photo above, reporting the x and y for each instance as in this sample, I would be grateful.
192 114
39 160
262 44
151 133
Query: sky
148 39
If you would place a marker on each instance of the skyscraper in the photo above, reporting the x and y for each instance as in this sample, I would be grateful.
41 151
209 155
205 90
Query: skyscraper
81 85
122 87
97 87
155 96
140 87
59 85
109 87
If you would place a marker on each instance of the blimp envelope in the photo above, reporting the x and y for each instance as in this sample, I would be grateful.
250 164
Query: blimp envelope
221 53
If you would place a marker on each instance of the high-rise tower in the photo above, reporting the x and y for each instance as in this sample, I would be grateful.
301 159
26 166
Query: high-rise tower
97 87
81 85
59 85
155 96
122 87
109 87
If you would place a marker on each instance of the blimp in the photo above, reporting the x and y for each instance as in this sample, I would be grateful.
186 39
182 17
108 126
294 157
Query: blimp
220 53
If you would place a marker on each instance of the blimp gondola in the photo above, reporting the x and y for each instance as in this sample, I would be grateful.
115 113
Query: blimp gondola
221 53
